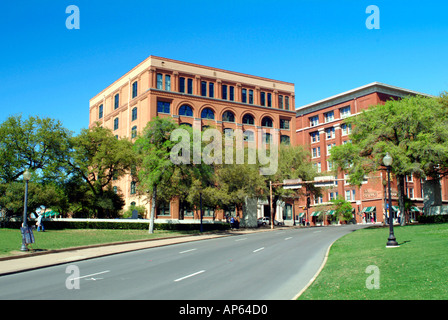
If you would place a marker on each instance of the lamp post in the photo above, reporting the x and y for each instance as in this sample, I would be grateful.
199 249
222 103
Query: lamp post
391 241
26 178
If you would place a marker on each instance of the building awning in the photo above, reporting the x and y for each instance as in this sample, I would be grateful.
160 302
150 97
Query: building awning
396 208
416 209
315 213
331 212
368 209
50 214
301 214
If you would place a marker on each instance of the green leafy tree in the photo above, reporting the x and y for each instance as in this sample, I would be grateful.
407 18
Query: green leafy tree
98 157
413 130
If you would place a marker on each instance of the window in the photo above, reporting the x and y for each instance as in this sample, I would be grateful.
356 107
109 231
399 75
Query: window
100 111
350 195
249 136
208 212
262 98
134 114
244 95
182 84
266 122
285 139
287 103
207 113
267 137
185 110
116 123
280 102
314 121
329 165
345 112
316 152
409 178
228 116
211 90
330 132
134 89
284 124
332 195
251 96
329 116
346 129
269 100
318 199
315 137
228 133
160 81
163 209
248 119
224 92
115 190
133 189
190 86
410 193
231 93
329 146
133 132
167 82
163 107
203 88
317 166
116 101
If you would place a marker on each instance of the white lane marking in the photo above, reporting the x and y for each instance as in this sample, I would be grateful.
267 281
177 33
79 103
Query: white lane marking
317 231
259 249
241 239
187 251
288 238
93 274
190 275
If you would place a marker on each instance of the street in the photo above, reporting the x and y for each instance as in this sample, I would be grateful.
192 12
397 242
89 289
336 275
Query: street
272 265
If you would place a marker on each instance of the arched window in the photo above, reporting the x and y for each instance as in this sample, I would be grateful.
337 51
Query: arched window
208 113
267 137
185 110
228 116
248 119
134 114
266 122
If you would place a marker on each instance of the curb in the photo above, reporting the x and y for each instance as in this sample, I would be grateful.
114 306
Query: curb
316 274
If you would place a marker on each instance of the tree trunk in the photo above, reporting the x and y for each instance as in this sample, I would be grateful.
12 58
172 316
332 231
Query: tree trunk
401 194
153 210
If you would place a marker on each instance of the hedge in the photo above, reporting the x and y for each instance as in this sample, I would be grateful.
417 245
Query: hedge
59 225
443 218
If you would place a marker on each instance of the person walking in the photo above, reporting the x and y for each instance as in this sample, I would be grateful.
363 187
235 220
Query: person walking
40 225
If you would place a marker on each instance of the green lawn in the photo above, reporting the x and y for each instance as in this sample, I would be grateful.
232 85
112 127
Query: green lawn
11 239
417 270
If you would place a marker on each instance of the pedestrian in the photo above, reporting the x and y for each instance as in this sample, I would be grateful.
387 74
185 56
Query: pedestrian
39 223
232 222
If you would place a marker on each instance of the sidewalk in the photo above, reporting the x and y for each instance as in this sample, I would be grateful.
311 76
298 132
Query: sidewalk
29 261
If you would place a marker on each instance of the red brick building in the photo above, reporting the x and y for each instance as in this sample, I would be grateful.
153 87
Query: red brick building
320 126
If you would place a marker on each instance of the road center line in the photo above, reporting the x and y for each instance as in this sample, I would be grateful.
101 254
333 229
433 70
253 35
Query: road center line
190 275
259 249
288 238
241 239
93 274
187 251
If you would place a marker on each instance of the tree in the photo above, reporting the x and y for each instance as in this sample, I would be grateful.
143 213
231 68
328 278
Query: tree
37 144
343 209
156 167
98 157
413 130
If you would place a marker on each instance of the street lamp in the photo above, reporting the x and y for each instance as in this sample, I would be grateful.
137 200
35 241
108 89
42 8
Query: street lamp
391 241
26 178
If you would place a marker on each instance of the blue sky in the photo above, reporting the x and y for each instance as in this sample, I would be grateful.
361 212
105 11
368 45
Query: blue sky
323 47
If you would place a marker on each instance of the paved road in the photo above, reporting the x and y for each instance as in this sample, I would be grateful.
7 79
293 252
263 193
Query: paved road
257 266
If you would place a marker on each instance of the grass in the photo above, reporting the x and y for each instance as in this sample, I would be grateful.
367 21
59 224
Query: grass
417 270
11 239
